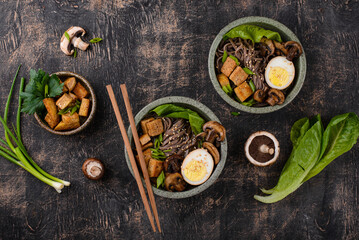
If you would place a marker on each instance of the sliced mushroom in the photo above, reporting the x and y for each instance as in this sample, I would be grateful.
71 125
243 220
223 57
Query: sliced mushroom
262 148
213 151
174 182
294 50
215 131
275 96
173 163
74 34
93 169
259 95
281 48
269 45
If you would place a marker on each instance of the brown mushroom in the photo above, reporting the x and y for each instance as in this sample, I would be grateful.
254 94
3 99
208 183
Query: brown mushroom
262 148
73 38
280 48
213 151
275 96
215 131
259 95
173 163
174 182
269 46
294 50
93 169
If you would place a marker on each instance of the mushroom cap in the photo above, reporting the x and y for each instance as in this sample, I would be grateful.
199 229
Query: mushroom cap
275 96
294 50
213 151
259 95
175 182
173 163
65 43
249 142
93 169
217 128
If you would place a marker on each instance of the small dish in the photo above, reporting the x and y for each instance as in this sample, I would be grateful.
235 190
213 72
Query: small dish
204 112
286 34
62 75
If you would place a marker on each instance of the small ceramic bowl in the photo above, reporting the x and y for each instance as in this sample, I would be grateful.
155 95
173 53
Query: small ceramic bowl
287 35
204 112
63 75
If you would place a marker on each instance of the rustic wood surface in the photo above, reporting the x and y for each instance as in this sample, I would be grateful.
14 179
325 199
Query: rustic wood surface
160 48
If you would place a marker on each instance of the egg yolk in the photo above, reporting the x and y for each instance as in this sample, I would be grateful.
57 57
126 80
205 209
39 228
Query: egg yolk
195 170
278 76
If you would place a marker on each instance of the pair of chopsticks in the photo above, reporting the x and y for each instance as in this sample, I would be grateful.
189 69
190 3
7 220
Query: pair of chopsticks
131 156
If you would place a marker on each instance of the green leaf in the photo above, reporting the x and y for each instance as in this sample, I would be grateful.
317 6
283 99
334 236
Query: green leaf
235 59
225 55
95 40
67 36
161 179
75 52
251 84
235 113
252 32
248 71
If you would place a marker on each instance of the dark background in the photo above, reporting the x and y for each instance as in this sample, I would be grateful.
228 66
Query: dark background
159 49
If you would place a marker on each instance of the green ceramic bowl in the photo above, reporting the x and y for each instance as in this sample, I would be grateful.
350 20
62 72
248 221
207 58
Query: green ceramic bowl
204 112
287 35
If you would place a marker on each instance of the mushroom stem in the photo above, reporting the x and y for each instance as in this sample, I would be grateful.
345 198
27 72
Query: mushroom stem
265 149
78 43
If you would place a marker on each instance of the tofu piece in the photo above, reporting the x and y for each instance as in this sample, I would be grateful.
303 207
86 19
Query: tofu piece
147 155
51 110
64 101
143 124
64 89
80 91
52 123
68 122
73 96
223 80
243 91
238 76
84 108
144 139
155 127
148 145
155 167
70 83
228 66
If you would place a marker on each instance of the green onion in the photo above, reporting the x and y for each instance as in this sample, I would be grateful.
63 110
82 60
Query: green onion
75 53
161 179
67 36
251 84
235 113
248 71
225 55
95 40
235 59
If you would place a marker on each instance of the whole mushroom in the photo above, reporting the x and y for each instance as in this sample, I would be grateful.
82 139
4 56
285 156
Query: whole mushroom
74 39
93 169
174 182
275 96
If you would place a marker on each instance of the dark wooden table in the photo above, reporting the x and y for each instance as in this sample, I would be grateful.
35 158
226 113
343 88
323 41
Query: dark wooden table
160 49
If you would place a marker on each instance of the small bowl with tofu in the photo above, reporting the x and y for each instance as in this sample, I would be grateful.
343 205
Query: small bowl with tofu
73 110
257 64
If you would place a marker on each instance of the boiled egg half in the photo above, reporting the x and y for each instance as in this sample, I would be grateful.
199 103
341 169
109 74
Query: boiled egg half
279 73
197 167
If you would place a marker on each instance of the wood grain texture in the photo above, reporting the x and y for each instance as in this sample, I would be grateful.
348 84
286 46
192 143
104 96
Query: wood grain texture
160 48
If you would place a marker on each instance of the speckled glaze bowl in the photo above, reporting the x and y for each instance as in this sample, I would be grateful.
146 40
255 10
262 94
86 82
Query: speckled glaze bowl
204 112
62 75
286 34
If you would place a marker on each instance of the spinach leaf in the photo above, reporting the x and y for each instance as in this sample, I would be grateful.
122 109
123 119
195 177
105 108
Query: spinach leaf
339 137
253 33
172 110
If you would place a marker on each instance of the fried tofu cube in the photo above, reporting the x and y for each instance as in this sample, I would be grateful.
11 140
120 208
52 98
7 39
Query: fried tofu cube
52 123
147 155
70 83
144 139
243 91
238 76
64 89
73 96
80 91
64 101
223 80
155 167
228 66
155 127
51 110
143 124
68 122
146 146
84 108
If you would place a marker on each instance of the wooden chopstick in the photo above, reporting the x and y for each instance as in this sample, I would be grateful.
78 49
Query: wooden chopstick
140 153
130 154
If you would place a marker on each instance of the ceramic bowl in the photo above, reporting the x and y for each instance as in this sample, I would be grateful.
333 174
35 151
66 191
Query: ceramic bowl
204 112
63 75
286 34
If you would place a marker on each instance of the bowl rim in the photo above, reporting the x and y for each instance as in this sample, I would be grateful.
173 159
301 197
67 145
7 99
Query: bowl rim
91 115
253 20
202 110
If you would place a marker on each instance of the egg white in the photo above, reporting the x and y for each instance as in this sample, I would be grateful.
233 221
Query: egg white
281 62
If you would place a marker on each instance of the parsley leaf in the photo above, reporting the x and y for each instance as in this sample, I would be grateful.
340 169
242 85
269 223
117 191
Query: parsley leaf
40 86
